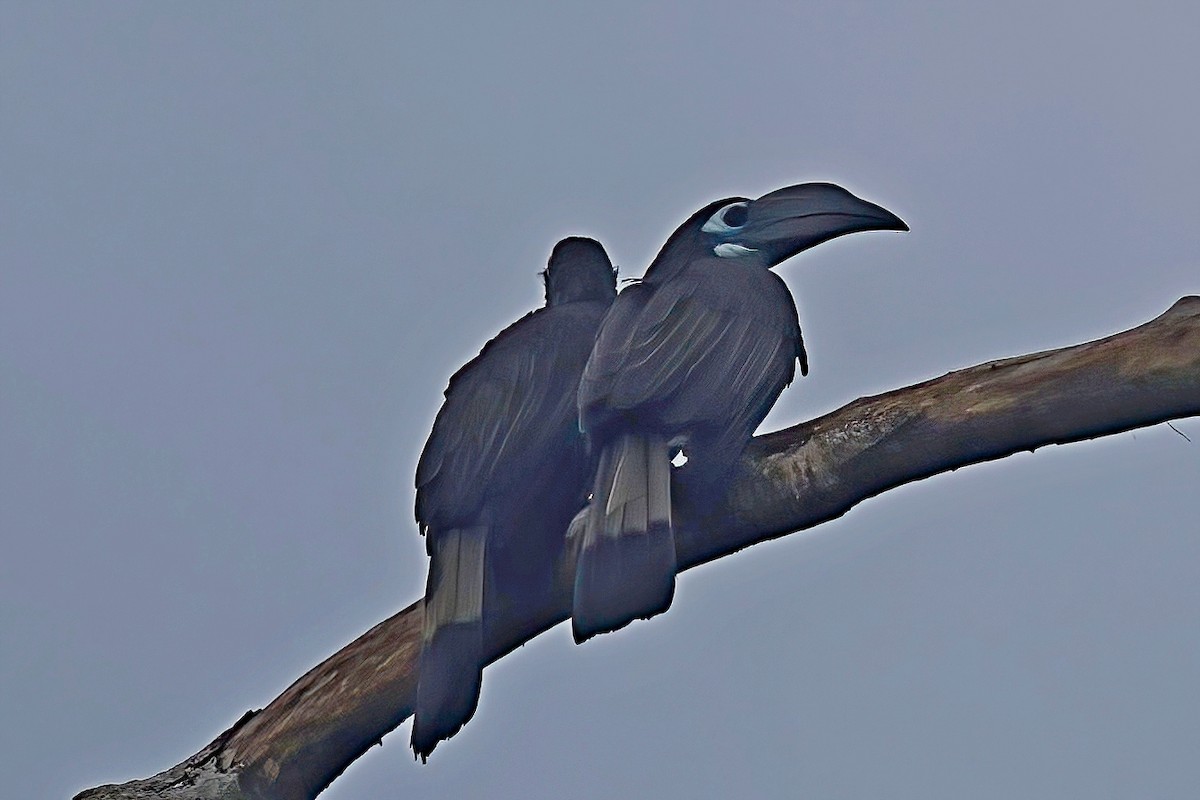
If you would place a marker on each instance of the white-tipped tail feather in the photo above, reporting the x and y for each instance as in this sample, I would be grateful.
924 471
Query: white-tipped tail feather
626 566
452 638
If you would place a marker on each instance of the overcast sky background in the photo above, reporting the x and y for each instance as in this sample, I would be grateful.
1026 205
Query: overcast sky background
244 246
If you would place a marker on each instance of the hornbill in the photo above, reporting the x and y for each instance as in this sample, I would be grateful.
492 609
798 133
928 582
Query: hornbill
503 472
690 359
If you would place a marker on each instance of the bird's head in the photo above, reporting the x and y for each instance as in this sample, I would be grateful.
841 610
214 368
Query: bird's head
784 222
772 228
579 269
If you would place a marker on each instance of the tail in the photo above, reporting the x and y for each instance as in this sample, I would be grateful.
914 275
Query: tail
626 565
452 656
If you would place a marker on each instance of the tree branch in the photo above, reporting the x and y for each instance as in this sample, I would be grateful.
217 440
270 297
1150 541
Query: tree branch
789 481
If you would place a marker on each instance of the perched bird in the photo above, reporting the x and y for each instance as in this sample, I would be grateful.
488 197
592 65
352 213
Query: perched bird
690 359
502 474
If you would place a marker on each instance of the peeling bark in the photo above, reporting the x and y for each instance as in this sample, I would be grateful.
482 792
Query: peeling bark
788 481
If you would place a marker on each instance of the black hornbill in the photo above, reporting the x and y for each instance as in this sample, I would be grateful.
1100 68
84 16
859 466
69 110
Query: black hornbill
691 359
502 474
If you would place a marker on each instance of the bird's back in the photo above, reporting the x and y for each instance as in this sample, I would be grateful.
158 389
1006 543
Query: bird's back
508 416
710 348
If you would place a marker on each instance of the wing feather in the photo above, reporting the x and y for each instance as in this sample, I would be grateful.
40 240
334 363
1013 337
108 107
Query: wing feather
715 346
507 410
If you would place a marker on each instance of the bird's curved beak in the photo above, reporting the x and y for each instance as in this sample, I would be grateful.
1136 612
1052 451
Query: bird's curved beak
788 220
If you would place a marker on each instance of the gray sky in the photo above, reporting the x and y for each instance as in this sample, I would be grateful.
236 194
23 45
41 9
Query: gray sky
244 247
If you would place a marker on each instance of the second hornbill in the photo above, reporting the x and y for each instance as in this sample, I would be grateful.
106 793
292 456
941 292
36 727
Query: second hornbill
690 359
502 474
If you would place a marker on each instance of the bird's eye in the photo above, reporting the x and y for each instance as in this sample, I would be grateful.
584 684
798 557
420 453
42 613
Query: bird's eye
728 219
735 216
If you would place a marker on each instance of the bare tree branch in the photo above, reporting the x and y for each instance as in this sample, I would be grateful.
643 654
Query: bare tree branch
789 480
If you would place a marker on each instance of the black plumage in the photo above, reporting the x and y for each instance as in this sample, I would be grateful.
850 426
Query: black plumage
503 472
691 358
